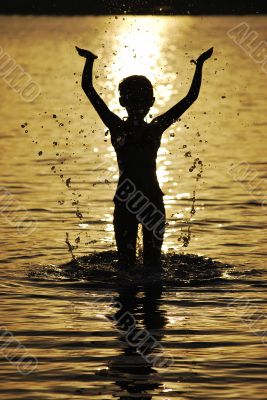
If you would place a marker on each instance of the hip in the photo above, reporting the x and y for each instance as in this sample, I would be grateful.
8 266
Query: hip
129 188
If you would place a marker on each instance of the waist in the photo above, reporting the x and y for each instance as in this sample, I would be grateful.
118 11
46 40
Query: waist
128 188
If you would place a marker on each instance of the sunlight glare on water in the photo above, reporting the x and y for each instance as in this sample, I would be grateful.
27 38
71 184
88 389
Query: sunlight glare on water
138 49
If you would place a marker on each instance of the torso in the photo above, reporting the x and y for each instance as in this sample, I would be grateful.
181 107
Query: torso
136 148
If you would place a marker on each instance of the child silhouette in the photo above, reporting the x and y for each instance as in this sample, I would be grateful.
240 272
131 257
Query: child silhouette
138 197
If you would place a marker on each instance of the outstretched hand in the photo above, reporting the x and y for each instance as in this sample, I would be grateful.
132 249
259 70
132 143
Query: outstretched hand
204 56
86 53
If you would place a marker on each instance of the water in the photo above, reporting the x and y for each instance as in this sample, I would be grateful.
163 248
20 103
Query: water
211 332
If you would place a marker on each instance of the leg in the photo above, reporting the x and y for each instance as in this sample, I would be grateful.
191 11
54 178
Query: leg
153 239
125 227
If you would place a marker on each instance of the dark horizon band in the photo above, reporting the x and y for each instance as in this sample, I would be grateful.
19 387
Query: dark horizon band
133 7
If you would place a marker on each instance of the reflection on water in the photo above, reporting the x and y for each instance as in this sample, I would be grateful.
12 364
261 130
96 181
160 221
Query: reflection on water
212 335
140 322
62 173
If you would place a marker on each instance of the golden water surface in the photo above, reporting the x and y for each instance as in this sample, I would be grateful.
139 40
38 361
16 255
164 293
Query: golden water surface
58 174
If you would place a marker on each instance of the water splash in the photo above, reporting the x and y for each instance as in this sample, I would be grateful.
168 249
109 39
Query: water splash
100 269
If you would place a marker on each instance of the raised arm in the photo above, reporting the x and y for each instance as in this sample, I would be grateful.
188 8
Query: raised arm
108 117
172 115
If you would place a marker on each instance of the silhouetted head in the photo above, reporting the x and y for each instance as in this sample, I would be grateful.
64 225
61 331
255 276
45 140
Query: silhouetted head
136 95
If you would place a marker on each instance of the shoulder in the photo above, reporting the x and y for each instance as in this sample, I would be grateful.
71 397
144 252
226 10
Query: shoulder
116 125
155 127
117 133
